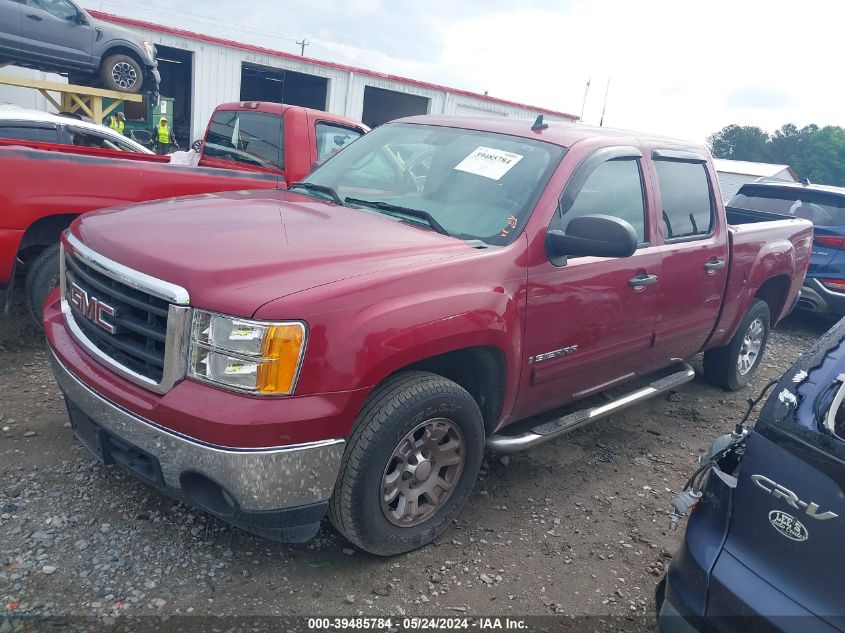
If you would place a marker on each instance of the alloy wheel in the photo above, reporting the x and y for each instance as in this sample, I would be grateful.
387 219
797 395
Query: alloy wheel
124 75
422 472
752 343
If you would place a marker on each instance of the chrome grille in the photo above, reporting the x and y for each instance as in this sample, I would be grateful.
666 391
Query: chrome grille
139 320
135 324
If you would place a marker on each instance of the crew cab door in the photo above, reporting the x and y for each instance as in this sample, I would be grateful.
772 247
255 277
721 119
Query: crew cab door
56 30
694 250
589 320
11 14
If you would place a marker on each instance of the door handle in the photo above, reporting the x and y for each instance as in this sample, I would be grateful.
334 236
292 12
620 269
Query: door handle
642 280
33 16
714 264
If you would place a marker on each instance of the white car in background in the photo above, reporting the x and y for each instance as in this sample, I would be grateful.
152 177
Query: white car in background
32 125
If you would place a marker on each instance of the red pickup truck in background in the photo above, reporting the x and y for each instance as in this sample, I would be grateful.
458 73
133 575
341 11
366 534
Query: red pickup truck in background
350 345
250 145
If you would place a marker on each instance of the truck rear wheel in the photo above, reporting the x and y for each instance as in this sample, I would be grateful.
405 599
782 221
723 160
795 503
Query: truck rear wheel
41 278
733 366
122 73
410 464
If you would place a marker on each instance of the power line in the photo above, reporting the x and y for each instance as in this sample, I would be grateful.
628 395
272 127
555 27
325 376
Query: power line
193 17
186 16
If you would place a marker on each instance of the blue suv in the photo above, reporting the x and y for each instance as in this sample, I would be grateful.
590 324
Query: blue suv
764 543
824 206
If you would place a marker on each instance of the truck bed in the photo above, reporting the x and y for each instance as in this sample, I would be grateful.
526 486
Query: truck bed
737 216
758 241
39 184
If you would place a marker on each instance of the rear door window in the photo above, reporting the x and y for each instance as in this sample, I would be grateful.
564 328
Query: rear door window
687 201
250 138
40 132
333 138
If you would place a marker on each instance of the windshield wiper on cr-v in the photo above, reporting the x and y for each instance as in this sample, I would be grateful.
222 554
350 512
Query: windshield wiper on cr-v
324 189
395 208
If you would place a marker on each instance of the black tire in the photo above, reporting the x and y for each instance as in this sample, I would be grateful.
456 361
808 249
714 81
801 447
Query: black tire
722 364
41 277
399 406
122 73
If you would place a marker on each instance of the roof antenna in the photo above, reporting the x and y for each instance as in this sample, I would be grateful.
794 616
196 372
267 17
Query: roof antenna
538 124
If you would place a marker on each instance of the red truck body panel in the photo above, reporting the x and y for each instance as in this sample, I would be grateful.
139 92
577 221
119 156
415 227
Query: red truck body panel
39 184
379 295
40 180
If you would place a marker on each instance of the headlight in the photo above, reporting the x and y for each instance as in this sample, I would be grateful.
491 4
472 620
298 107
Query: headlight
150 50
258 357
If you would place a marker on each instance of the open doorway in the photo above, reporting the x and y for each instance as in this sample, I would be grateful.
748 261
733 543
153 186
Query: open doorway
262 83
176 67
381 106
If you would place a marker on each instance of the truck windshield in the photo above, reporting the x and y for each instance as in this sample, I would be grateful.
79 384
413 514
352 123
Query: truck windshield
822 209
473 185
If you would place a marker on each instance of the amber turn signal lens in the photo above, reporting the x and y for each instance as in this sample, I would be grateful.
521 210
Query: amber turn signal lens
281 351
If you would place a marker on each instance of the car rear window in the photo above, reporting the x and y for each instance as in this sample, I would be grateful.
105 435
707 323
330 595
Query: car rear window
250 138
821 208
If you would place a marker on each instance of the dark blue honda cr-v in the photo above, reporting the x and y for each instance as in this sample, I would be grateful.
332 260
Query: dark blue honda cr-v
824 286
765 543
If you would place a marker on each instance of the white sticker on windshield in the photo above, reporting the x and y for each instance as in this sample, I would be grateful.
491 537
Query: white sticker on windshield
489 163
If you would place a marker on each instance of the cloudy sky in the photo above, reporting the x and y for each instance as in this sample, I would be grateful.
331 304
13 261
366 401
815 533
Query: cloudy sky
676 67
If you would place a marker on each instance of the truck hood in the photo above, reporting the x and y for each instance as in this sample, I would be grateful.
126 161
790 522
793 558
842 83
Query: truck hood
238 250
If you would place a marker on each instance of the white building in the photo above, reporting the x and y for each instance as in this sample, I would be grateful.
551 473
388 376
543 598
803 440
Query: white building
200 71
735 173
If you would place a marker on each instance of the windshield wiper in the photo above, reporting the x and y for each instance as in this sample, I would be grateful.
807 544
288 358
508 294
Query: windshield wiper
324 189
395 208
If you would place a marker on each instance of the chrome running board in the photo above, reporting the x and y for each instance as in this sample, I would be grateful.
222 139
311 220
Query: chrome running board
550 430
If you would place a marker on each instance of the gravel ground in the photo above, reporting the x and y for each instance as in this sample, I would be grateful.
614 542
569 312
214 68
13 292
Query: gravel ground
577 527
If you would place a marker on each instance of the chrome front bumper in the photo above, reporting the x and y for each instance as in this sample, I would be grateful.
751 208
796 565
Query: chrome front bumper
258 480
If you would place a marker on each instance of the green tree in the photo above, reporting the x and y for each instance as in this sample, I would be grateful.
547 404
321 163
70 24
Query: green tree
823 158
812 152
740 142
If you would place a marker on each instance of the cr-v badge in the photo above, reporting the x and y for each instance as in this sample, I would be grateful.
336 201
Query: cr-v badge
779 492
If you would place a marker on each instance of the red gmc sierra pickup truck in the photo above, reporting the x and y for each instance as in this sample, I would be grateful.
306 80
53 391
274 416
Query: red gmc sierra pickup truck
251 145
351 344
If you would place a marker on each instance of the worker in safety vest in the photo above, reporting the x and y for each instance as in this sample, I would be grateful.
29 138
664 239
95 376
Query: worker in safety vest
163 137
117 122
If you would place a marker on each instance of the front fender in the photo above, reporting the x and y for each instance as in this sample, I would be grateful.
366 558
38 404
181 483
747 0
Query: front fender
106 48
360 332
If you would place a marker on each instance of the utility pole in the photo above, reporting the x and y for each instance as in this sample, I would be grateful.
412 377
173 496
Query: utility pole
302 46
604 106
584 102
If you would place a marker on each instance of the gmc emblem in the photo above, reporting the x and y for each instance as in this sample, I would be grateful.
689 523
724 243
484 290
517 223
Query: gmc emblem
91 307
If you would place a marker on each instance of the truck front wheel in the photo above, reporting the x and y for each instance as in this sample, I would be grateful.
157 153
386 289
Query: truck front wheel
41 278
122 73
410 464
733 366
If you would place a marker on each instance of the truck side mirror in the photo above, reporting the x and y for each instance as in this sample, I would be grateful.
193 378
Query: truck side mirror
196 145
595 235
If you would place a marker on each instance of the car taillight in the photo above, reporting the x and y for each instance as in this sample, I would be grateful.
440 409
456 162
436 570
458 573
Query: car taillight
833 241
837 285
